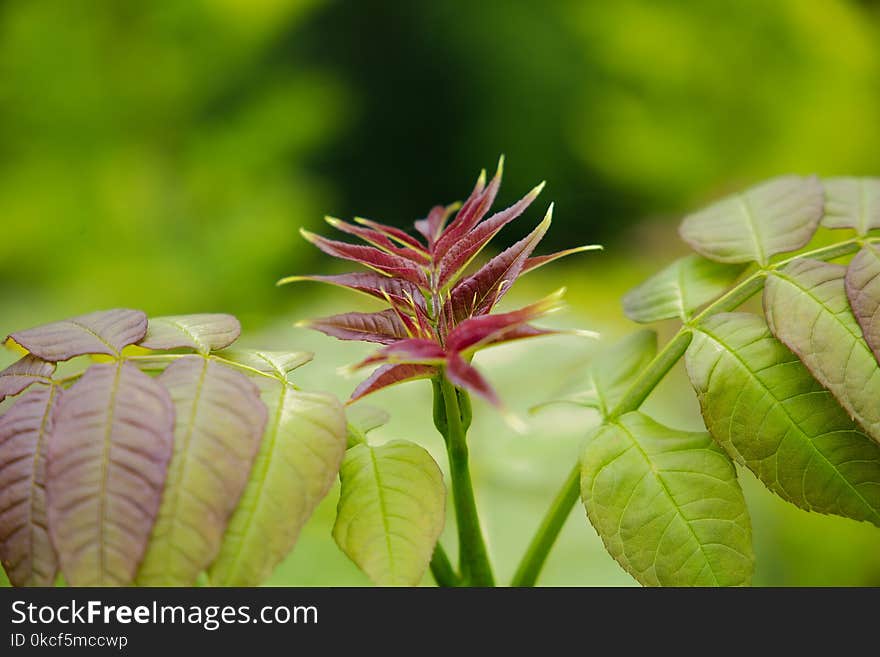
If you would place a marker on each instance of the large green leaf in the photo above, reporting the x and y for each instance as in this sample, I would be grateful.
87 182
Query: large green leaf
612 371
25 548
808 310
391 511
763 406
667 504
679 289
862 284
774 217
220 419
106 463
297 464
852 203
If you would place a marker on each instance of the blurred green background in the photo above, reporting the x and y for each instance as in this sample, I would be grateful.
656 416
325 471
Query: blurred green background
163 155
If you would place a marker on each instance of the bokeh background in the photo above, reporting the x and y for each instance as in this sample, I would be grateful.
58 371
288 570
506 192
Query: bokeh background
163 156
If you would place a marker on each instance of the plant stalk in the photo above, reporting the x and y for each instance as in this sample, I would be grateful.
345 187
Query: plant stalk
473 556
441 568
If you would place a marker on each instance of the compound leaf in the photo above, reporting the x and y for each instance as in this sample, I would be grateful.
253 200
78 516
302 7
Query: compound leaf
808 310
862 285
297 464
391 511
102 332
25 548
763 406
679 289
107 458
220 419
277 363
204 332
852 203
667 504
774 217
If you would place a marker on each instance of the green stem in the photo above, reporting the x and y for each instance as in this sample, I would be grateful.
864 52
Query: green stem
441 568
539 548
473 556
643 386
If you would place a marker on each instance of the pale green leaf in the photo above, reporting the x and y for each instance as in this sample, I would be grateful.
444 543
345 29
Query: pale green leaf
774 217
297 464
362 419
862 285
852 203
612 371
763 406
277 363
667 504
679 289
808 310
205 332
391 511
219 422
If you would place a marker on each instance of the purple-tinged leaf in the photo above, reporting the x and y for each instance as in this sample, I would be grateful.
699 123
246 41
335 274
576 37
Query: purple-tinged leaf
107 460
25 548
203 332
277 363
400 236
220 420
22 373
389 375
370 283
371 257
863 291
299 458
384 327
539 261
460 254
102 332
464 375
432 226
470 214
380 241
852 203
486 329
414 350
478 293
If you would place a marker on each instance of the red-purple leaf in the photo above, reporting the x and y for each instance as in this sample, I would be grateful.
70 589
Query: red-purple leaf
432 226
389 375
394 233
103 332
379 240
203 332
107 460
370 283
415 350
384 327
371 257
25 549
464 375
473 210
478 293
220 420
863 291
539 261
460 254
22 373
487 329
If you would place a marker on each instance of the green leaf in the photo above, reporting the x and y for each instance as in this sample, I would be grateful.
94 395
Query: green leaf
852 203
219 421
862 285
612 371
774 217
763 406
808 310
204 332
277 363
297 464
362 419
391 511
667 504
679 289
